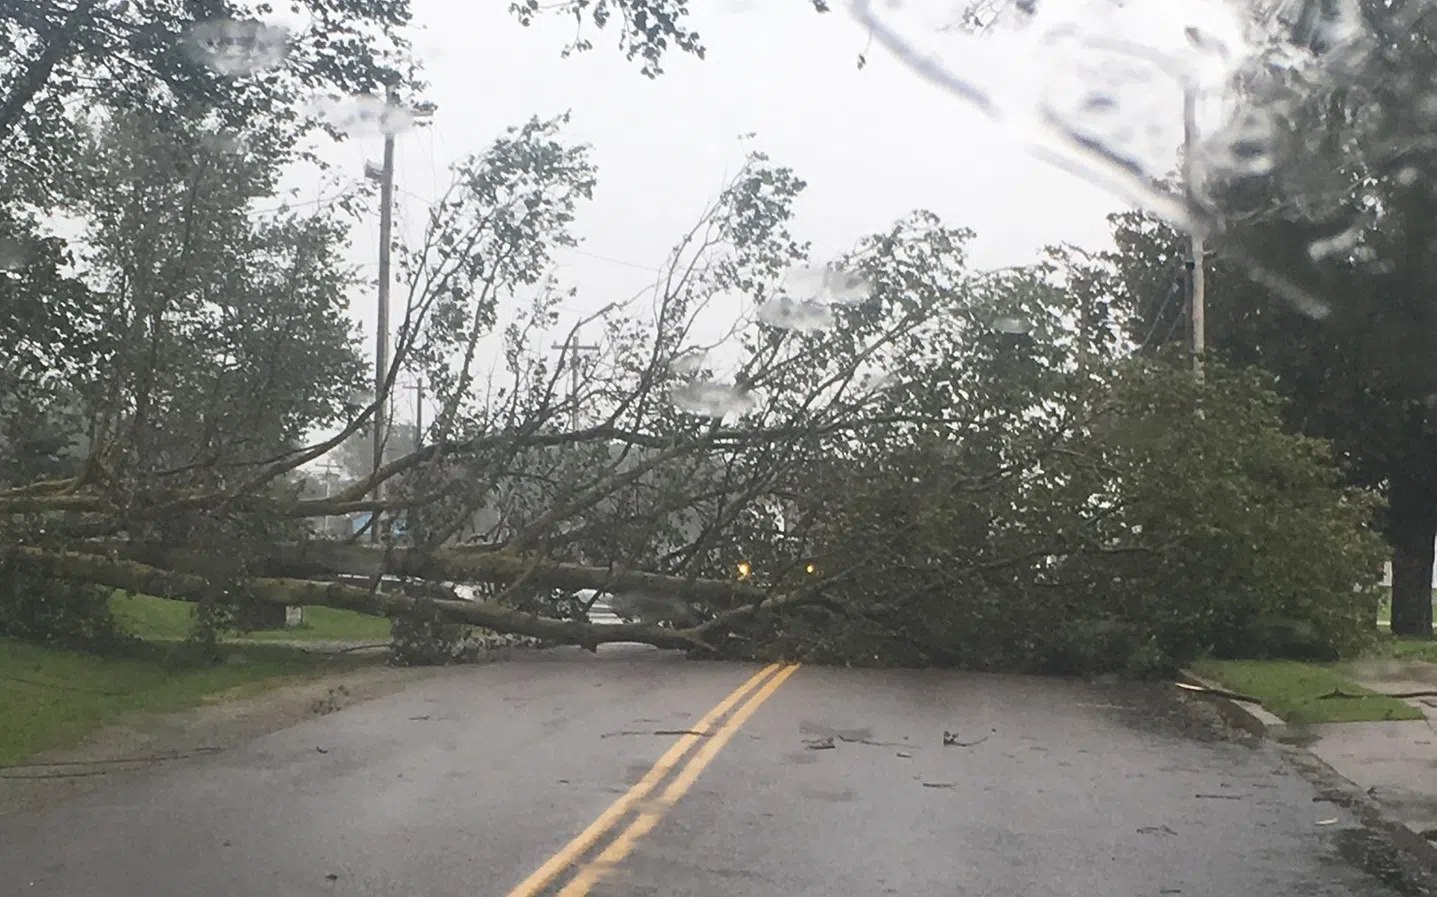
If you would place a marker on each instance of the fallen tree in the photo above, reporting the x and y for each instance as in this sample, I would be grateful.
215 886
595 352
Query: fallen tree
893 460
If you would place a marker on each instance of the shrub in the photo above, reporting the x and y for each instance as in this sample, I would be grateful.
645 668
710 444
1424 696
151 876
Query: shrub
56 612
1179 520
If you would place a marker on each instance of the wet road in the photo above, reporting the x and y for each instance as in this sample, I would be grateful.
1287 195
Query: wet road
811 783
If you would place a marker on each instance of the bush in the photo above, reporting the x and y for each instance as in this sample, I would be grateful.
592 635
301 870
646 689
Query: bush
1180 520
422 637
56 612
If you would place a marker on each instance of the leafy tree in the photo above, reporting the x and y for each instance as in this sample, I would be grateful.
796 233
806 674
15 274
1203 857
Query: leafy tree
72 58
647 29
228 333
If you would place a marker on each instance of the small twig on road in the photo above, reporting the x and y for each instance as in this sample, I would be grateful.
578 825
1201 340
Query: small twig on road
951 740
1220 796
871 743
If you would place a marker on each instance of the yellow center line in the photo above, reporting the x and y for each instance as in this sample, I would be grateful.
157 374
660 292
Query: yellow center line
606 820
622 845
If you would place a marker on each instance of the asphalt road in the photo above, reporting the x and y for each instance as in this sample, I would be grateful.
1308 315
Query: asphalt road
836 783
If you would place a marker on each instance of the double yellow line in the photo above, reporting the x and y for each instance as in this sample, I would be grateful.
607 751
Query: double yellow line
766 681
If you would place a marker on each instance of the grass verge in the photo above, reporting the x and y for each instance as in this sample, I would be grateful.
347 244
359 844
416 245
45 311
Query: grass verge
52 699
1302 692
148 617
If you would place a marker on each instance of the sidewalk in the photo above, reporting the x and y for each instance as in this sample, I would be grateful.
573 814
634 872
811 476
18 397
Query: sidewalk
1395 762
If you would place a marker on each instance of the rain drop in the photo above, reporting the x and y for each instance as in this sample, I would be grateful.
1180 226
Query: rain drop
875 382
365 114
829 284
1338 243
238 47
711 399
803 316
1408 176
689 362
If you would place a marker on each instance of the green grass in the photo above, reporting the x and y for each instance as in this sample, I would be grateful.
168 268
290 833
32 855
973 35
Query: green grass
148 617
51 698
1295 691
1407 648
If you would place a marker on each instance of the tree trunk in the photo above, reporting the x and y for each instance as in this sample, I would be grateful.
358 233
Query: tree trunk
1412 551
144 579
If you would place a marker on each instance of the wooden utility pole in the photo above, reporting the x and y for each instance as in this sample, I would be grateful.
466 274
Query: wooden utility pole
1197 280
381 328
570 349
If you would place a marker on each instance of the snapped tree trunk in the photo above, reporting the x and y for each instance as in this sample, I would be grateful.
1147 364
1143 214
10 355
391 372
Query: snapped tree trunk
1412 551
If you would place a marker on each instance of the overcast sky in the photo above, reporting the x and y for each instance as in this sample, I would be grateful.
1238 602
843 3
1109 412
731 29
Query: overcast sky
872 144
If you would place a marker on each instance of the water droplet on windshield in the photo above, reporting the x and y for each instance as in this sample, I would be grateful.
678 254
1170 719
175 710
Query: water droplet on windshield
1336 244
1012 325
875 382
1242 147
1329 25
364 115
801 315
238 47
689 362
711 399
829 284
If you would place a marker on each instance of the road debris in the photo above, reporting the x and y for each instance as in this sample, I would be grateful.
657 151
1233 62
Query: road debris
951 739
819 744
1220 796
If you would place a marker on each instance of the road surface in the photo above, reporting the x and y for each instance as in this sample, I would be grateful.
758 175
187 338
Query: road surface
638 773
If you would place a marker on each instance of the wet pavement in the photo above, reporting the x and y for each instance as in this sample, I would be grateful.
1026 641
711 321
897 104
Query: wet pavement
1393 761
842 782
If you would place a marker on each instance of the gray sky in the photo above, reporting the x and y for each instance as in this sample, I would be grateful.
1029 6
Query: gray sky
872 144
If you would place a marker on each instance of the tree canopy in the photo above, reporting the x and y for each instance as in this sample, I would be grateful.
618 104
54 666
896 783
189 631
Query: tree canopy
889 457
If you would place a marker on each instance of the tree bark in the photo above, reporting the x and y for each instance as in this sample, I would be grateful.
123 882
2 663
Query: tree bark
42 67
144 579
1412 555
136 577
321 558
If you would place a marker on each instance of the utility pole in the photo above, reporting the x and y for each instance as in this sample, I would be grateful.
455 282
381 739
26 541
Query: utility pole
1197 279
570 348
381 329
384 173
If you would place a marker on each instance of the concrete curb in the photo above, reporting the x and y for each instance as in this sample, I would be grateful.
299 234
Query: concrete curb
1332 785
1253 718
